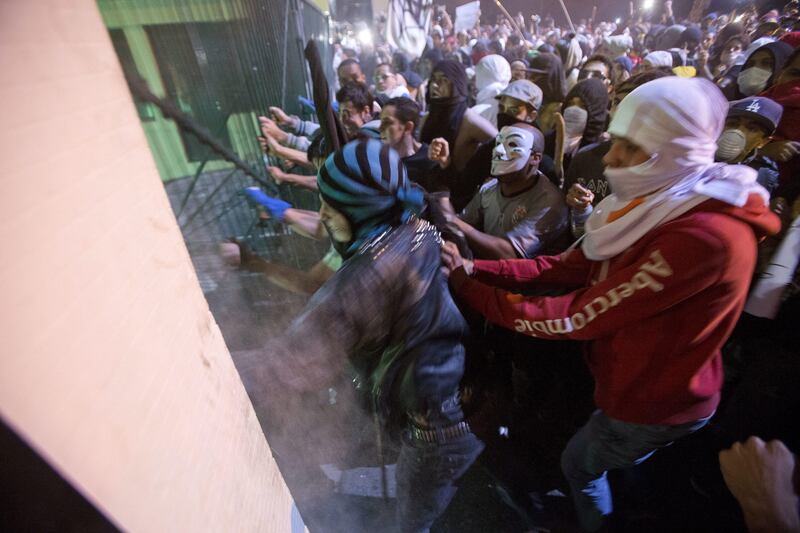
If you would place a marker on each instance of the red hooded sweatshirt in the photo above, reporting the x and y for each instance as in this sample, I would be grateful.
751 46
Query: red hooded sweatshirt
657 314
788 95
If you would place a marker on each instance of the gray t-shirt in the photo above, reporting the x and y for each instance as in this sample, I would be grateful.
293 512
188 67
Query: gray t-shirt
534 221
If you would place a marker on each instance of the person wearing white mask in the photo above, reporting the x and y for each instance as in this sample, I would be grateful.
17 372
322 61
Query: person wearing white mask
584 181
749 127
492 75
585 112
759 71
658 283
729 53
519 213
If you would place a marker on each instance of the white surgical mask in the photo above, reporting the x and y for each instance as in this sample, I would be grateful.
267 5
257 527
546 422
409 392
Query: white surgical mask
575 119
512 150
753 80
730 144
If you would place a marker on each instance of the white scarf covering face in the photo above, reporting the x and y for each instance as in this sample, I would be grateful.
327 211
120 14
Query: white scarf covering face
492 76
677 121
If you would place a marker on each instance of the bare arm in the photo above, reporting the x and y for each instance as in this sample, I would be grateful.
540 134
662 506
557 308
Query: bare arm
304 222
486 246
306 182
240 255
480 129
296 157
290 278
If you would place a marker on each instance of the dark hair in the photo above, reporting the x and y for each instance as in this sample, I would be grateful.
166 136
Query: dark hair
405 109
779 51
602 59
317 148
356 93
642 78
400 62
346 62
391 67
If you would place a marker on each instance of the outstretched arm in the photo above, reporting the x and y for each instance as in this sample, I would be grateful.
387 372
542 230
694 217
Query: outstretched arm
642 289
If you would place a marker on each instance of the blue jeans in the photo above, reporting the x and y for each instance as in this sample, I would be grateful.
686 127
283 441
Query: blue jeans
426 478
605 443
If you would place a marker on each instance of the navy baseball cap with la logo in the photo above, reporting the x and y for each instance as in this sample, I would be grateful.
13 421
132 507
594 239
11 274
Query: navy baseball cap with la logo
764 110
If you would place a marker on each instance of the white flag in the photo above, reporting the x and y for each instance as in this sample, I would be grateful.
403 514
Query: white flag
408 24
467 16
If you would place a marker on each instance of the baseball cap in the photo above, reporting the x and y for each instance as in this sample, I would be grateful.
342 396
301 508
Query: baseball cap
764 110
524 91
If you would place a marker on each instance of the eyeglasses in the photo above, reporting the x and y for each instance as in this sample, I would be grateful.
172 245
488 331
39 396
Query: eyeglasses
586 74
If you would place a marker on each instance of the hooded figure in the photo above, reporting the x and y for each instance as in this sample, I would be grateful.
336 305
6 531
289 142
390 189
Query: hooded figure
670 38
787 93
676 239
725 34
445 114
388 315
368 184
752 78
792 39
585 124
492 75
547 72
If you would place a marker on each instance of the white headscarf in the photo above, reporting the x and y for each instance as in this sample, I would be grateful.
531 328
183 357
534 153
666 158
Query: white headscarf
677 121
618 44
492 75
659 58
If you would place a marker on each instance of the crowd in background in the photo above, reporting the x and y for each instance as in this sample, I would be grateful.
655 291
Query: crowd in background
456 115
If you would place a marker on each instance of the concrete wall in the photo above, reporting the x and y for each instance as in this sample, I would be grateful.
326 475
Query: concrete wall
111 365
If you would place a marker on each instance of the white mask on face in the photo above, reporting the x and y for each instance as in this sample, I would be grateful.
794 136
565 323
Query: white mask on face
730 145
753 80
512 150
575 119
729 59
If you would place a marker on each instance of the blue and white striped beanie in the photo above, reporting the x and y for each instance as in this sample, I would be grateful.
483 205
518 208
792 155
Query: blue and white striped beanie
367 182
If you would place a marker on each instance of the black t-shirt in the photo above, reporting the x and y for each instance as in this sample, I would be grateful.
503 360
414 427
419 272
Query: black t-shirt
586 169
420 168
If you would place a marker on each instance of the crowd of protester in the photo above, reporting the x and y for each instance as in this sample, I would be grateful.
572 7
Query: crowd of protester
555 158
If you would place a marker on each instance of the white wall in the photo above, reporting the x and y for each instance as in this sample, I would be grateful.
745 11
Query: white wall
111 365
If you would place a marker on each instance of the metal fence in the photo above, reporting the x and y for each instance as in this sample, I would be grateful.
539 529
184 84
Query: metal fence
223 63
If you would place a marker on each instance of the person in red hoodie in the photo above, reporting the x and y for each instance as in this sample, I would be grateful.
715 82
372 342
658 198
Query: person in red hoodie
785 147
658 282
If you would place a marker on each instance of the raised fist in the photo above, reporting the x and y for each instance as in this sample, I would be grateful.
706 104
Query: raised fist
439 151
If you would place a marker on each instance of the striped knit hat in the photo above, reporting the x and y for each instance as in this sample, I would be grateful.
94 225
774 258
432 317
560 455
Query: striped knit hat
366 181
